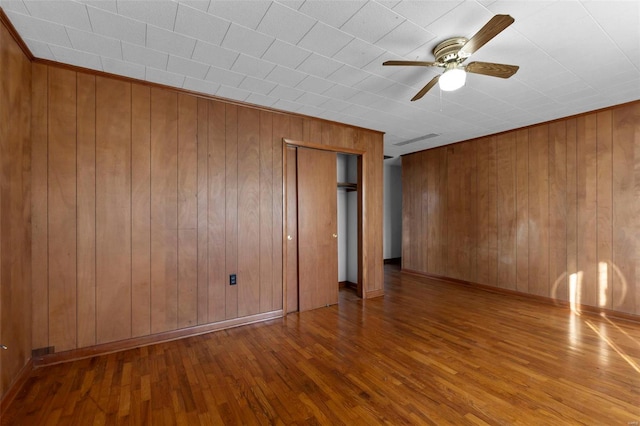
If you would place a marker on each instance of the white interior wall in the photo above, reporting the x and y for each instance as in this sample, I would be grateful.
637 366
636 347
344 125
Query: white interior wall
342 167
342 235
352 237
352 221
392 219
347 166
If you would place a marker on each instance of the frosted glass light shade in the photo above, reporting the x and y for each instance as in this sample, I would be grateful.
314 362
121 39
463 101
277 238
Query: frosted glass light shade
452 79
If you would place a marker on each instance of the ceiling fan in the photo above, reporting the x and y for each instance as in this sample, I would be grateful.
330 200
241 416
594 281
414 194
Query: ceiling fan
451 53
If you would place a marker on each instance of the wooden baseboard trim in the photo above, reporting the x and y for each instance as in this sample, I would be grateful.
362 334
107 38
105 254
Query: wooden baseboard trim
546 300
122 345
374 293
348 284
15 387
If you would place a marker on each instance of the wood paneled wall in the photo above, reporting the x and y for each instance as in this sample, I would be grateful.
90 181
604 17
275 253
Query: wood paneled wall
15 210
148 199
551 210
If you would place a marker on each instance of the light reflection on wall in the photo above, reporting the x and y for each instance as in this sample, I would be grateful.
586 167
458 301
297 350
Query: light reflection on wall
622 284
603 284
608 297
606 344
575 291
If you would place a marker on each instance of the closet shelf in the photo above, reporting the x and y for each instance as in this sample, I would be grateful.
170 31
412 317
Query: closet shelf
348 186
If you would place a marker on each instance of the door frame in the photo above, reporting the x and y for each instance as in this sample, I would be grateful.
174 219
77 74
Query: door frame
361 217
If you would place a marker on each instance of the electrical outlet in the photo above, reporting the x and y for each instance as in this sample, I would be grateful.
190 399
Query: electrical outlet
232 279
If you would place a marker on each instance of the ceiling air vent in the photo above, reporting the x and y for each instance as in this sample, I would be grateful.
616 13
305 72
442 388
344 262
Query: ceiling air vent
418 139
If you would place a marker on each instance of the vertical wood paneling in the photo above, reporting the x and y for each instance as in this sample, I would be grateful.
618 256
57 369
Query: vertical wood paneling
522 211
218 203
281 128
296 128
572 206
604 203
231 215
416 214
15 211
113 210
62 209
487 215
266 212
39 205
86 209
558 210
506 209
587 263
461 211
566 202
248 212
436 167
140 210
539 210
203 211
164 210
626 208
312 130
375 278
187 211
409 214
185 191
423 251
335 135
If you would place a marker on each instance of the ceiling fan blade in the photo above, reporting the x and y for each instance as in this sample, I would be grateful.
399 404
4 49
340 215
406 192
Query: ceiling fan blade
426 88
413 63
494 70
491 29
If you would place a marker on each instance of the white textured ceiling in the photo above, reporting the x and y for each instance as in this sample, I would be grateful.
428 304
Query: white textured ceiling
324 58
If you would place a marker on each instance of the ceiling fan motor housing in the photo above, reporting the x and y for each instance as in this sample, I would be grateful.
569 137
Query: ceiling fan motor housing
447 51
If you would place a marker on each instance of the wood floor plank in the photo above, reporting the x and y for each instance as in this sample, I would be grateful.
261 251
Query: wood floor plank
466 357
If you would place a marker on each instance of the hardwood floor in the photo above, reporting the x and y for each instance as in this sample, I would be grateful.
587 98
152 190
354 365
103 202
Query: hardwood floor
426 353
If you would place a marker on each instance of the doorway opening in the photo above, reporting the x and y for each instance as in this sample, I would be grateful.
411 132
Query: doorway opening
347 188
323 224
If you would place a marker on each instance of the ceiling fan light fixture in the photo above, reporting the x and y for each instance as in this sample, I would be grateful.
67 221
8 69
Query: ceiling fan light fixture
452 79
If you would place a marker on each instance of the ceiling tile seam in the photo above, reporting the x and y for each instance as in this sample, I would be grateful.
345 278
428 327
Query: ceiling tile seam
69 38
26 40
544 52
118 41
306 33
193 49
175 17
262 33
48 22
354 14
223 37
392 29
606 33
27 9
262 18
88 17
269 47
101 63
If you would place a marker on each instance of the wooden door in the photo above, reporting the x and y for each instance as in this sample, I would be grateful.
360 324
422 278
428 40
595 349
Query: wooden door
317 229
292 230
